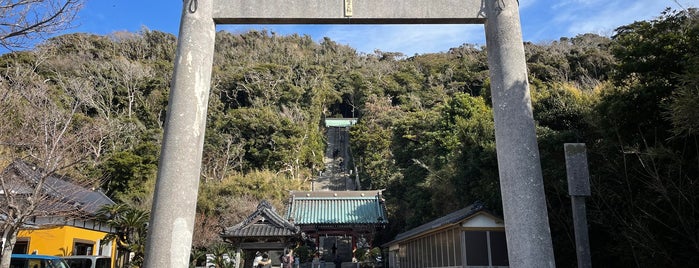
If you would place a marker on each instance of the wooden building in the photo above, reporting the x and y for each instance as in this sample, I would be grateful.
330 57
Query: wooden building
64 222
470 237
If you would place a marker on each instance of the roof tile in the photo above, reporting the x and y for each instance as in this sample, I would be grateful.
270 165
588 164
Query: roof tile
350 207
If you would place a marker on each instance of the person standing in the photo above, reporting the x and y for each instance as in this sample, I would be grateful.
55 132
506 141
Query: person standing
257 259
287 259
266 261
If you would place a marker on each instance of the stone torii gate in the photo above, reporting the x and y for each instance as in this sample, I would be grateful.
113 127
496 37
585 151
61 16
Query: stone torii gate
526 219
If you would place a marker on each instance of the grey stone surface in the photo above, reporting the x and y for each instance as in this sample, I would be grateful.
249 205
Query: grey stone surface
579 188
582 239
363 11
521 182
336 176
172 215
576 168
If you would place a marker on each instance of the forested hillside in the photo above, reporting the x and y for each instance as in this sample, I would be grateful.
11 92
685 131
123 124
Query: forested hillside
93 107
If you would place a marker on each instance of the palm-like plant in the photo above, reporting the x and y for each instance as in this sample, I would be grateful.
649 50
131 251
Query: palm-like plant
221 253
131 227
196 255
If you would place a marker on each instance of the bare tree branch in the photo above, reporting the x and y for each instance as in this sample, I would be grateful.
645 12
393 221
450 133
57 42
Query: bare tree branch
24 20
39 136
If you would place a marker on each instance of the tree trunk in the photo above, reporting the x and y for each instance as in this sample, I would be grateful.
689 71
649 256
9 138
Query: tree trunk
9 238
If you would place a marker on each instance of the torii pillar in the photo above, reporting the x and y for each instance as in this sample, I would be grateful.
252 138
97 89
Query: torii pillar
519 166
173 211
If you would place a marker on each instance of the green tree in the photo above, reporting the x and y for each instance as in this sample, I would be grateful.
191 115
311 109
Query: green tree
128 171
562 113
644 173
371 140
130 236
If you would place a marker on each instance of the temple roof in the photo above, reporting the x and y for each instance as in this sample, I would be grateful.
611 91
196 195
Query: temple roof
265 221
66 195
336 208
456 217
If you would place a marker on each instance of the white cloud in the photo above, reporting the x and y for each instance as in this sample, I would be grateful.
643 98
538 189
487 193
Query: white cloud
602 17
408 39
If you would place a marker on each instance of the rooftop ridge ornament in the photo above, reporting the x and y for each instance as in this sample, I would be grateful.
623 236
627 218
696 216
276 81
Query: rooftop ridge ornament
265 204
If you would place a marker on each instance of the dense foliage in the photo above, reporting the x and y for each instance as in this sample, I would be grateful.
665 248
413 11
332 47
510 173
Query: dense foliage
425 131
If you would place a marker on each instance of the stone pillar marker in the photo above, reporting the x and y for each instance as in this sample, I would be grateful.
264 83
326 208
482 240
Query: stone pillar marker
579 188
521 182
238 251
174 204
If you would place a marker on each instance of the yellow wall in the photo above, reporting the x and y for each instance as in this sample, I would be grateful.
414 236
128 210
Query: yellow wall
58 241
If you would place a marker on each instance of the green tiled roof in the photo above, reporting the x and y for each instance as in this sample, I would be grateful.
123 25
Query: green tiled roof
340 122
333 208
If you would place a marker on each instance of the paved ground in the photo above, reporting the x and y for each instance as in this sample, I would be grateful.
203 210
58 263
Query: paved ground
336 176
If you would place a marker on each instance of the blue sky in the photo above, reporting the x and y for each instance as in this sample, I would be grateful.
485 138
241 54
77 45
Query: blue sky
542 21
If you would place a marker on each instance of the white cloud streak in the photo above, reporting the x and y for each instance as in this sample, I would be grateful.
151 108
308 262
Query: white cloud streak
408 39
602 17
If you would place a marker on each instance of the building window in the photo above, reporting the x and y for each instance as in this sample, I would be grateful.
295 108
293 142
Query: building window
486 248
498 249
21 246
477 248
81 248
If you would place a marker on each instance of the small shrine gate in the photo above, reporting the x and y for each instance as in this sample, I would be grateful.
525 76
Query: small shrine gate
265 231
330 223
338 222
